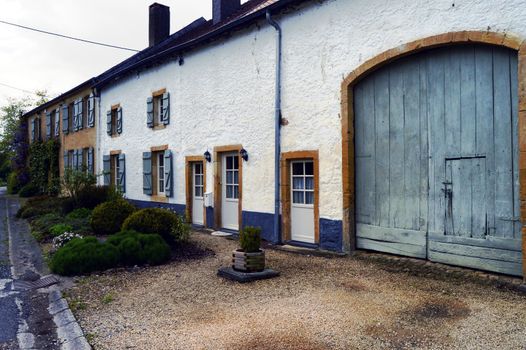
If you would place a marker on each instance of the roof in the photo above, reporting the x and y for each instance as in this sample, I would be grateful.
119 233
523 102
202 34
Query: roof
196 33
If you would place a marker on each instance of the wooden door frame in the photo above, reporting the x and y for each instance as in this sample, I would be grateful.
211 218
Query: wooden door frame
218 173
286 159
189 182
347 109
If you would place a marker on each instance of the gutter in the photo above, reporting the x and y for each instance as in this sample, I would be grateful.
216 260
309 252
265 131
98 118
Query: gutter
277 125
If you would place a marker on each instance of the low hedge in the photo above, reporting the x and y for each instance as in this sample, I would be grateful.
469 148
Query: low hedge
127 248
29 190
164 222
107 218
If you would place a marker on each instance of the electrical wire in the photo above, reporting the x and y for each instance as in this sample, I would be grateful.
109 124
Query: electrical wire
13 87
68 37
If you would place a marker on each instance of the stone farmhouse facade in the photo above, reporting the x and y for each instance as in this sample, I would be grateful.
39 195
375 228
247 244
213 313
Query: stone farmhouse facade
396 127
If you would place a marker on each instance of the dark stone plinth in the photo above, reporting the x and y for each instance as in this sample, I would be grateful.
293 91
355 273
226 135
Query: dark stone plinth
243 277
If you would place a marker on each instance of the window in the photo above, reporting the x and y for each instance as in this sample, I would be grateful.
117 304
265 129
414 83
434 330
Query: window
70 117
232 177
198 180
85 112
115 168
157 110
303 182
160 173
70 159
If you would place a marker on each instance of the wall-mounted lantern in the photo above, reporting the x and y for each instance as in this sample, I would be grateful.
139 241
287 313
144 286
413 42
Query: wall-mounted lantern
207 156
244 154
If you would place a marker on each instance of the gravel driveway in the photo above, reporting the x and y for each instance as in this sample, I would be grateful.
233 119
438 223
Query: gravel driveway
316 303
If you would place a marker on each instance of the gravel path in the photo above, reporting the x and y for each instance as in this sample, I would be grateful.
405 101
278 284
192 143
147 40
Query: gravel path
316 303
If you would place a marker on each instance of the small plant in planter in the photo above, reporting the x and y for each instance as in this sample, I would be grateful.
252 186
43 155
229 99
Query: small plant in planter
250 257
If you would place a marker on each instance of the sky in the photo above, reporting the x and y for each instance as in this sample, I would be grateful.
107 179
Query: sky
33 61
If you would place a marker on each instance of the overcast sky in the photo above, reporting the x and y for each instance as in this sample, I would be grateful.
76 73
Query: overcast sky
34 61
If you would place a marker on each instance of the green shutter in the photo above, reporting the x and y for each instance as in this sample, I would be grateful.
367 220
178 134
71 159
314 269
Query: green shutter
147 173
109 130
119 120
165 113
65 119
122 173
168 174
106 163
149 112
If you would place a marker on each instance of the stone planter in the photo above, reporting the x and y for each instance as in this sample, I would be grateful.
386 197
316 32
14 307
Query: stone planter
248 262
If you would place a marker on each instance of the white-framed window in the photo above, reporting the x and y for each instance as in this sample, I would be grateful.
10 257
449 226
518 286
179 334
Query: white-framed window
303 182
157 109
160 173
116 169
232 177
198 180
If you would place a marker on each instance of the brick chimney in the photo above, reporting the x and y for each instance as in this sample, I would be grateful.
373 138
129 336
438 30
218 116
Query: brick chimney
159 27
221 9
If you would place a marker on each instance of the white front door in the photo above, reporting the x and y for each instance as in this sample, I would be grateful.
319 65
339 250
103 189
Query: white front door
197 193
302 203
230 191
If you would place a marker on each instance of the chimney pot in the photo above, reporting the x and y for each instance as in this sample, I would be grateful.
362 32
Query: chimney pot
221 9
159 26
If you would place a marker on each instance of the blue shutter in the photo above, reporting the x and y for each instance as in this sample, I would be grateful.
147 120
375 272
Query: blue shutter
106 166
57 123
147 173
168 174
91 111
80 111
149 112
165 112
109 130
65 119
66 160
75 112
90 161
122 173
48 125
119 120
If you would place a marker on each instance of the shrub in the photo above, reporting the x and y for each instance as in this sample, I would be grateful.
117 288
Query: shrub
89 197
155 220
13 186
60 241
39 206
41 226
137 248
107 218
81 213
84 255
181 230
59 229
29 190
250 239
76 181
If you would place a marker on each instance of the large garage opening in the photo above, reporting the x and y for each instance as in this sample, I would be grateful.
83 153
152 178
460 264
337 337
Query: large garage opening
436 158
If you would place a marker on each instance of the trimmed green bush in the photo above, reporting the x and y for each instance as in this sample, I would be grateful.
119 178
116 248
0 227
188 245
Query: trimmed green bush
156 220
81 213
29 190
90 197
58 229
39 206
138 249
107 218
84 255
13 186
250 239
41 226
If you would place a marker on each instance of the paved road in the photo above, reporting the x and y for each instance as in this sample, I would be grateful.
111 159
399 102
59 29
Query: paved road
25 321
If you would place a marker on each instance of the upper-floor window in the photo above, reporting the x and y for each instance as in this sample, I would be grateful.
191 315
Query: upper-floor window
114 121
71 116
158 109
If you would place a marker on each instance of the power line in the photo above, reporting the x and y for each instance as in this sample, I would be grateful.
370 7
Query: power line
19 89
68 37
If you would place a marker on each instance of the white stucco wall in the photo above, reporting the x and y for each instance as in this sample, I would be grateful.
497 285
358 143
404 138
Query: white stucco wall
224 93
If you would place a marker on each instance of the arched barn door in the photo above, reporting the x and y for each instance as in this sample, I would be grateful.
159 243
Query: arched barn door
436 158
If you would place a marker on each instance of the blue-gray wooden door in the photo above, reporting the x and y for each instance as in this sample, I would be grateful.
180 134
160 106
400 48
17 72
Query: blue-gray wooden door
436 147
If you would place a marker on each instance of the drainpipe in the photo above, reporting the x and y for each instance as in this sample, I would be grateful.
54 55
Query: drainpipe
277 126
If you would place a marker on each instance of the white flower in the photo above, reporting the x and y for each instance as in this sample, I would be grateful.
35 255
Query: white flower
64 238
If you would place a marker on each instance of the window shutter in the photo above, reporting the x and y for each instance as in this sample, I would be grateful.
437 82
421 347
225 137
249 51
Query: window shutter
57 123
65 119
149 112
91 111
168 174
75 115
165 113
90 161
48 125
122 173
80 111
106 163
66 160
74 165
119 120
109 130
147 173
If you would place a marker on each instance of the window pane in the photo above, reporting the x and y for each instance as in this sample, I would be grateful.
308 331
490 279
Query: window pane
199 191
198 180
236 177
229 177
161 173
236 162
309 183
236 192
198 168
309 197
161 185
297 183
297 197
309 168
297 168
229 162
229 191
161 159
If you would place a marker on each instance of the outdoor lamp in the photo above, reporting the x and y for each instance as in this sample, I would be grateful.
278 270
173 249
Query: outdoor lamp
244 154
208 156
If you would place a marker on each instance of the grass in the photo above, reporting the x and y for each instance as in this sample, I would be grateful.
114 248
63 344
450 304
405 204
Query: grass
108 298
77 305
